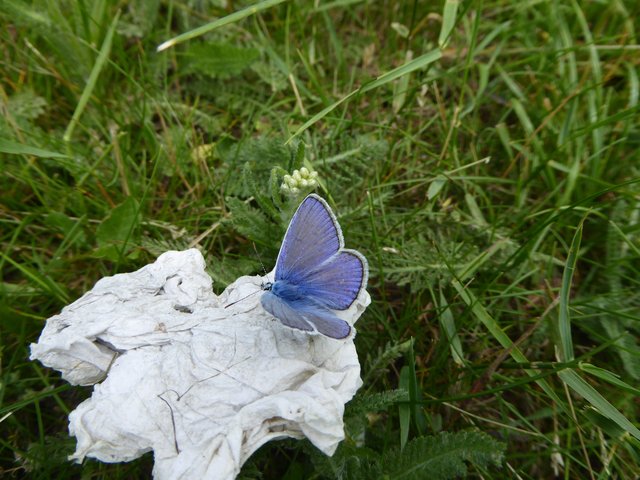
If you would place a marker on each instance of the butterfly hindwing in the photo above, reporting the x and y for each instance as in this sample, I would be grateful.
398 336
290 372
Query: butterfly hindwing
305 315
338 281
280 308
327 323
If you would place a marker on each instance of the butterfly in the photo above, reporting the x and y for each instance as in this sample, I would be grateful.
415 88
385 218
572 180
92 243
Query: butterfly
315 274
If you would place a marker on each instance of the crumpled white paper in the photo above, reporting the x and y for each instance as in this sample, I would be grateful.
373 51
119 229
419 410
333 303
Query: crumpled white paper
200 385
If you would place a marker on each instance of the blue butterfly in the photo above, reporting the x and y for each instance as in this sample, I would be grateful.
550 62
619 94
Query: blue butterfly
314 273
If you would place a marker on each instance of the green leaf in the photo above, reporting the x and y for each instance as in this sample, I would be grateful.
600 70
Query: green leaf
474 209
415 395
489 322
626 344
119 225
14 148
435 186
608 376
610 427
26 106
377 366
375 402
404 409
70 228
448 324
253 223
139 18
218 59
401 88
448 21
415 64
564 318
443 456
32 15
100 62
404 69
601 404
45 282
234 17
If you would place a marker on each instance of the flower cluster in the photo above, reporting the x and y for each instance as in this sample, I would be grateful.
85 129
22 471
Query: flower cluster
303 179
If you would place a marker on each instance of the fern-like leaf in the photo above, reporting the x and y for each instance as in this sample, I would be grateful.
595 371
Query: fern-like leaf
251 222
443 456
377 366
376 402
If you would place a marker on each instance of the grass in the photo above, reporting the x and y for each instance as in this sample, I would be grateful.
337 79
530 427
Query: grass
482 155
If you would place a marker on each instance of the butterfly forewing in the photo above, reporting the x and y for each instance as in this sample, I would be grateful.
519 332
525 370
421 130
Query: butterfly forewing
313 237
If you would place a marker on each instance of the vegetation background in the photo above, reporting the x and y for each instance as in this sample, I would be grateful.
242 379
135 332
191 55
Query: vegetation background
483 155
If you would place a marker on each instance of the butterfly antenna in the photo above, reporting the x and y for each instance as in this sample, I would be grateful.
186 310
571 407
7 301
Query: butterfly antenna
259 259
243 298
265 274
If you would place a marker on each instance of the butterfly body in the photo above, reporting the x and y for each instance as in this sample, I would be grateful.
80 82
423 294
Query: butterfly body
314 274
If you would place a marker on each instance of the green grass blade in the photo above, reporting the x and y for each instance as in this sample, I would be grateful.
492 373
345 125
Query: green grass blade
321 114
408 67
15 148
234 17
24 402
46 283
608 376
481 314
591 395
93 79
448 324
415 64
404 408
564 316
448 21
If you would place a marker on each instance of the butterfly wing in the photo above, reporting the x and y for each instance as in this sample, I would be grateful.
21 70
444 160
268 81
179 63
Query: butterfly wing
305 315
314 275
312 238
337 282
312 257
